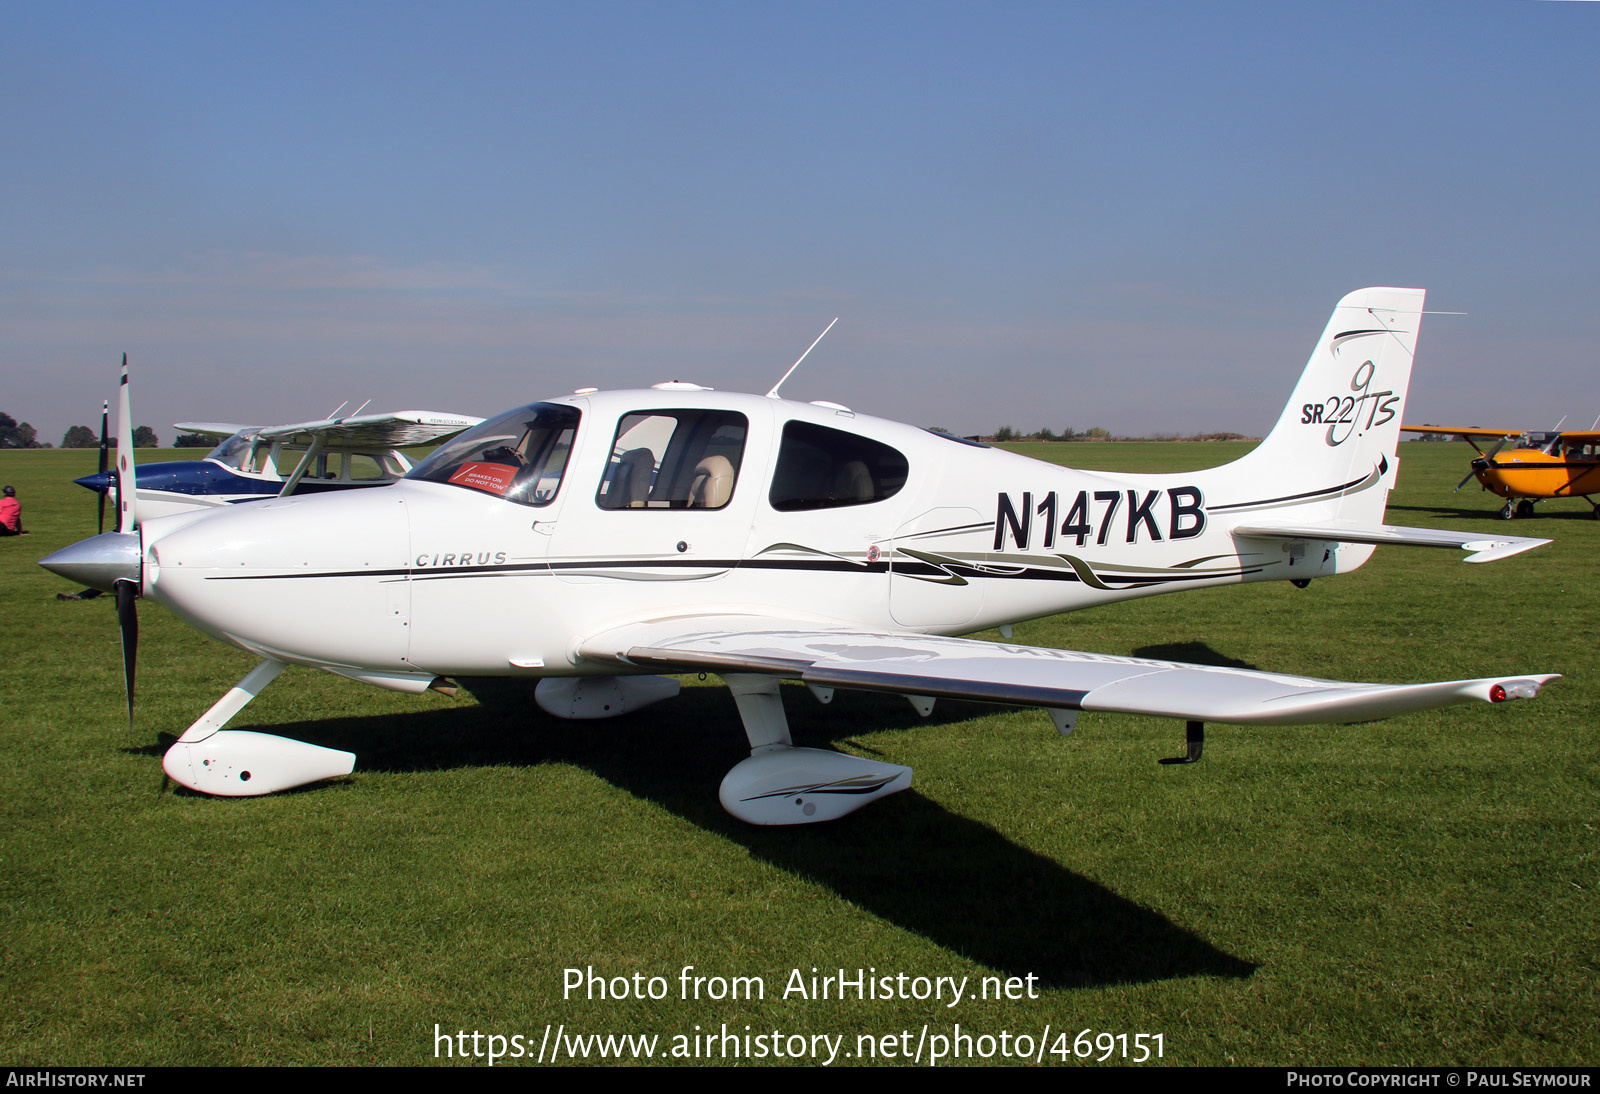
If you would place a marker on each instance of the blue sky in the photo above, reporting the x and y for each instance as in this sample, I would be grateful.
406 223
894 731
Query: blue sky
1135 216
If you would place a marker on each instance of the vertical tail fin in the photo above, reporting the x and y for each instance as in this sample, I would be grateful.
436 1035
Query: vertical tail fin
1331 457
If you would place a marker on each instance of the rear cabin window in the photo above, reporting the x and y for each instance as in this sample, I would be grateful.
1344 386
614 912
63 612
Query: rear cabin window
364 468
674 459
822 468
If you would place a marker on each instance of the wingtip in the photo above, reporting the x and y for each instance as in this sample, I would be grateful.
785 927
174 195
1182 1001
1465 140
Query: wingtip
1492 550
1520 687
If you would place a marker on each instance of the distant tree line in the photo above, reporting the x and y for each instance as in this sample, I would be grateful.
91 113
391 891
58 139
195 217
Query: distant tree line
81 436
22 435
1007 433
14 434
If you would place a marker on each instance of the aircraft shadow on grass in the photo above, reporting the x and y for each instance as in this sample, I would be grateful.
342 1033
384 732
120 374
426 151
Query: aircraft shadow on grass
1193 653
957 882
1492 516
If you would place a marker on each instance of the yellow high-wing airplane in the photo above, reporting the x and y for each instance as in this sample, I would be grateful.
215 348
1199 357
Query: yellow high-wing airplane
1547 464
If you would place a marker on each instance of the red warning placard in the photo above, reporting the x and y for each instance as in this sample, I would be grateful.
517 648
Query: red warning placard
495 478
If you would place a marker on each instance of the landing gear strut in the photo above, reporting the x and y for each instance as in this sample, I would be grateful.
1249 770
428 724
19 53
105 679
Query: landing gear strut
1195 737
782 784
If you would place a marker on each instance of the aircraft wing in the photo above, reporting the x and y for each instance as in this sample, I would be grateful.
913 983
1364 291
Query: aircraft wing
995 672
396 430
1452 431
1486 548
211 429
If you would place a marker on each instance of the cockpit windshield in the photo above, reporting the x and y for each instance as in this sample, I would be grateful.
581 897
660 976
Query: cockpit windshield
235 451
519 456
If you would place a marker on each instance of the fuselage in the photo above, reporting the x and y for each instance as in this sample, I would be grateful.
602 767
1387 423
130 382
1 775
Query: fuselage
521 537
247 468
1536 472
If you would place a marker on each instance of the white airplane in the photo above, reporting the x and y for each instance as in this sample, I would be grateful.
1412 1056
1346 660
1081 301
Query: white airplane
255 462
593 539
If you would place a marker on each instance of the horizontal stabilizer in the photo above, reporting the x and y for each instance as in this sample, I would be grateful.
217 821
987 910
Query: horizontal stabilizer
998 672
1485 548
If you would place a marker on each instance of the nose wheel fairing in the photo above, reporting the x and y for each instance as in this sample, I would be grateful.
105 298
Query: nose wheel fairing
239 763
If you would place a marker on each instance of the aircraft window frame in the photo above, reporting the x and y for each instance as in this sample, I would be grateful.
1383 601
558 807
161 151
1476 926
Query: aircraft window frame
819 467
522 456
694 464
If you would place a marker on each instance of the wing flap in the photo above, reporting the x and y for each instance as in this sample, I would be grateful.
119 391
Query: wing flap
962 668
1485 548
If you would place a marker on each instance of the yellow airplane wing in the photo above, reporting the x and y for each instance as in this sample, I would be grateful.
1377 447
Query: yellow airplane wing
1452 431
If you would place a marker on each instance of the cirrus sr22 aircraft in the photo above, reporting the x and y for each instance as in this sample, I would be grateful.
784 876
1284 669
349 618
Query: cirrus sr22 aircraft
596 539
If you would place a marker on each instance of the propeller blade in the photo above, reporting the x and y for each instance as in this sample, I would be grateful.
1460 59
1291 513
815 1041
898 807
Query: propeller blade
128 623
127 478
1486 460
105 452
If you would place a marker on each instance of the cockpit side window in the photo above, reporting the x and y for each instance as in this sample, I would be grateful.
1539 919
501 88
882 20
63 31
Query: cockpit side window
822 468
674 459
520 456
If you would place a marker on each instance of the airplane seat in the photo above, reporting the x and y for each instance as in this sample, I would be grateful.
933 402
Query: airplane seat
630 479
523 481
712 485
852 482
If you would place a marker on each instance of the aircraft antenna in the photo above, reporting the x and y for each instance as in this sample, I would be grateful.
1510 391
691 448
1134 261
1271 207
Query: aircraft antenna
1557 427
358 409
773 394
1596 424
338 408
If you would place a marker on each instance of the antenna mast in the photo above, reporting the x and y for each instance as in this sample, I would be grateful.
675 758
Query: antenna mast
773 394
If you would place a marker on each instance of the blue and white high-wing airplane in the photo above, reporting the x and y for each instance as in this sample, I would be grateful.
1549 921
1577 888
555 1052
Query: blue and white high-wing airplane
593 539
255 462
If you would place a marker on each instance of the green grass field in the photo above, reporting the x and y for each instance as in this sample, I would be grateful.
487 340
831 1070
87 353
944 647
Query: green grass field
1417 891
